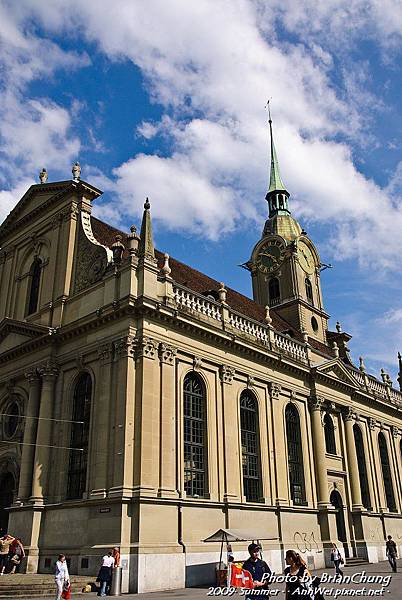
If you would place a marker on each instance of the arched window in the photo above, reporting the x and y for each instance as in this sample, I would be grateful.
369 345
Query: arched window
34 285
386 473
250 447
295 455
309 290
329 432
274 291
361 463
195 437
79 439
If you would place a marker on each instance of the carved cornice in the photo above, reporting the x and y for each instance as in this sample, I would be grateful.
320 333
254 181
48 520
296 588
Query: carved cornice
274 390
226 374
167 353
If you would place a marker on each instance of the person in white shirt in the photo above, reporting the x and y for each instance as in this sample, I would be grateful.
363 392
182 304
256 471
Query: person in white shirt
337 559
105 573
61 575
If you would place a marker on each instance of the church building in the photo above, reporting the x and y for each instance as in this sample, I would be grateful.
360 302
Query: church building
145 405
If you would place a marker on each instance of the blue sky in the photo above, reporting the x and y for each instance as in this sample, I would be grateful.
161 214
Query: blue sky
166 100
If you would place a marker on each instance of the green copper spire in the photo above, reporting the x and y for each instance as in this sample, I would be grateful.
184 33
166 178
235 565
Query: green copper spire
277 196
275 183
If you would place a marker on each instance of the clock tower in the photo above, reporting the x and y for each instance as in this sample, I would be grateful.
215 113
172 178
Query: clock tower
285 265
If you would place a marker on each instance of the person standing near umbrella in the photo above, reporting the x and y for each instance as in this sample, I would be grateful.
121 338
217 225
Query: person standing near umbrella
256 566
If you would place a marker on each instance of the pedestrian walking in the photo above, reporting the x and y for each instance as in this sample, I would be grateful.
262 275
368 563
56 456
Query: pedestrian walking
16 553
337 559
392 552
297 569
5 543
61 575
105 574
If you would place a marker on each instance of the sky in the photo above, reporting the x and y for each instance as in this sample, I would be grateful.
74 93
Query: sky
167 100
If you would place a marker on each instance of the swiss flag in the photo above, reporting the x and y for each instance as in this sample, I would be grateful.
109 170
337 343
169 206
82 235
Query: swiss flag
240 578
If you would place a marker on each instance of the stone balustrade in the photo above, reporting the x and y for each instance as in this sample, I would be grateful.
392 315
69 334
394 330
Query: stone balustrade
291 347
225 317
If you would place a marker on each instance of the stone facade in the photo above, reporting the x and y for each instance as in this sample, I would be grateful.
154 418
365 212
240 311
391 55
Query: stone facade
99 370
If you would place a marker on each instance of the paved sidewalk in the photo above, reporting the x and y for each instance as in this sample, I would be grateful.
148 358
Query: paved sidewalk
337 591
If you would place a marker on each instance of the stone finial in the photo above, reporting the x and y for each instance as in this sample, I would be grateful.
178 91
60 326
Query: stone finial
400 371
386 378
362 366
335 349
268 318
305 336
133 240
222 293
43 175
166 270
146 246
76 171
117 249
338 327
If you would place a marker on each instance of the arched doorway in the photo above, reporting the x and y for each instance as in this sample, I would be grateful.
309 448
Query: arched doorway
336 501
7 487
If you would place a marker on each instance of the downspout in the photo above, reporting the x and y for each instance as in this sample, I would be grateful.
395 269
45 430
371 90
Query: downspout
180 528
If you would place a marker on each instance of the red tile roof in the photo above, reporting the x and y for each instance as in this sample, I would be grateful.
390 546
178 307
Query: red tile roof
201 283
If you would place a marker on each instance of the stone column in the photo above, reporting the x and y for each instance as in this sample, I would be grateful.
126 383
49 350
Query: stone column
280 455
49 375
101 410
167 475
316 403
353 468
30 428
231 454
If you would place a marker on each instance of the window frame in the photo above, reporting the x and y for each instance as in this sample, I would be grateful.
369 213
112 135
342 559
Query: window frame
195 426
248 438
78 463
295 466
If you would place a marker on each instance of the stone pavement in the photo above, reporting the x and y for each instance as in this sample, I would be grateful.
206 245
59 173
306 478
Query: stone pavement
359 589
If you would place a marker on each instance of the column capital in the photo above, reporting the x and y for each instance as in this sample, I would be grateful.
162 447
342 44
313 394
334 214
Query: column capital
124 347
226 374
348 414
372 423
395 431
49 370
166 353
316 403
32 375
105 352
145 347
274 390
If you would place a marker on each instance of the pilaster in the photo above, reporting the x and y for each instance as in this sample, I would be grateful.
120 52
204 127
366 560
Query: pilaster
315 403
167 476
232 462
353 469
280 455
28 448
49 373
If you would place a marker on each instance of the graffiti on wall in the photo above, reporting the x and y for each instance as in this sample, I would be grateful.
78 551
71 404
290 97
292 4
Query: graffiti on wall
305 542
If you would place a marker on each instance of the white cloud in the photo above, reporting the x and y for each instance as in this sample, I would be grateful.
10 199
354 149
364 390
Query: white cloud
213 65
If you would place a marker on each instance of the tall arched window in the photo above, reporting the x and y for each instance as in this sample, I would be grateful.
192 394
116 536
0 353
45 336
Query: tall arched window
309 290
250 447
195 437
79 439
361 463
329 432
295 455
386 472
34 285
274 291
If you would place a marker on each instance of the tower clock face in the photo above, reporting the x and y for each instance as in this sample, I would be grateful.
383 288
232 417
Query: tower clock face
270 256
306 258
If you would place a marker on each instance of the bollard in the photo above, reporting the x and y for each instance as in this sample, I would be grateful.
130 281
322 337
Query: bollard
115 588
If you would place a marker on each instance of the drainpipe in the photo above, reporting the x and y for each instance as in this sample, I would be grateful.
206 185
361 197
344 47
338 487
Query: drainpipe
180 528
